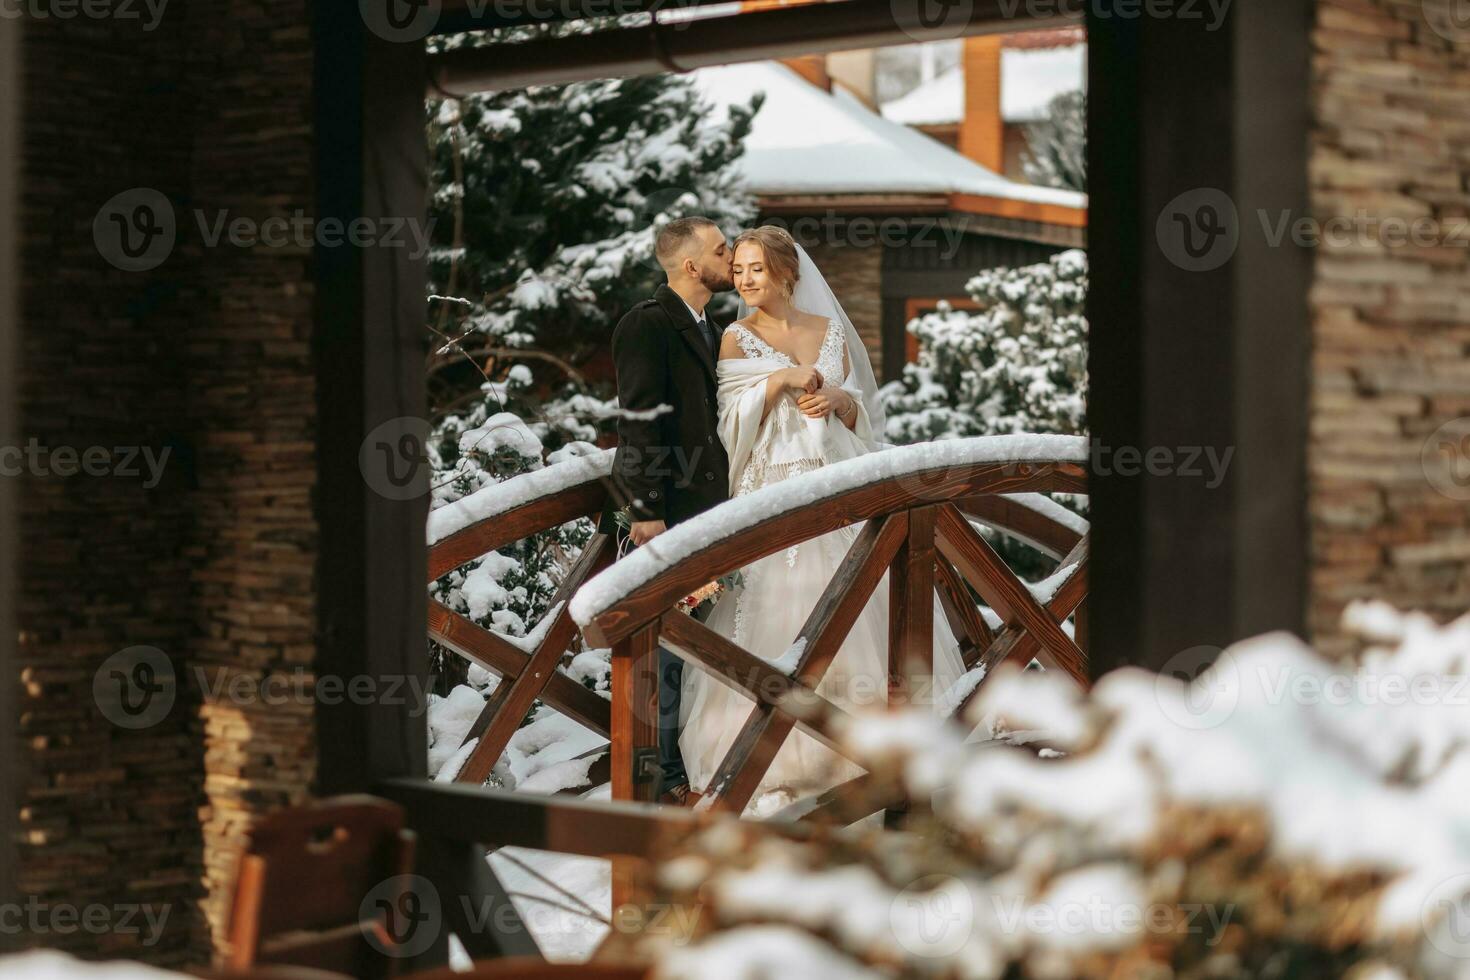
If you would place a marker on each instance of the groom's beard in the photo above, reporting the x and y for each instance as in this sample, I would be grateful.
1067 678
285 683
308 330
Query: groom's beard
716 281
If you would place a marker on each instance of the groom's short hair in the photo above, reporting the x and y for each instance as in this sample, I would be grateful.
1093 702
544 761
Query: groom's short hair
676 238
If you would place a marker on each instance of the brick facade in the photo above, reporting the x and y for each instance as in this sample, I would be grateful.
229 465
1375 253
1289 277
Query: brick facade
207 355
855 274
1391 325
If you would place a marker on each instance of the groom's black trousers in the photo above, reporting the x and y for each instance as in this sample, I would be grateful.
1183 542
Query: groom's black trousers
670 677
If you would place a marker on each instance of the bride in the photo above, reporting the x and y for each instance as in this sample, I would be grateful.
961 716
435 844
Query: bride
796 392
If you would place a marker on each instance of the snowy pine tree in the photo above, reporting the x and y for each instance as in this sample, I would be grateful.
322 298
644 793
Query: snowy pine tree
547 200
1056 154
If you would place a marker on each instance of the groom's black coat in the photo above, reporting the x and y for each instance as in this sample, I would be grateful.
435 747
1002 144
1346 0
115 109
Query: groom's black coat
674 466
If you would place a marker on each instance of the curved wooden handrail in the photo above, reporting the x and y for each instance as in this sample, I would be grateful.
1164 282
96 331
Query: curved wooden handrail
1015 516
582 494
918 508
506 513
643 603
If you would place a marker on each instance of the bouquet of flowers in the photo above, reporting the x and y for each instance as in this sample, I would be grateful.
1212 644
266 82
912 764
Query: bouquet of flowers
709 592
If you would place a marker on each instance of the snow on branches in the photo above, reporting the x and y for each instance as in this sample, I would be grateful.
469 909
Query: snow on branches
556 192
1276 814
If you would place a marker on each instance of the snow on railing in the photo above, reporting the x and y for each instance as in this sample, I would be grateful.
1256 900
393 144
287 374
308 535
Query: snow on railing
501 498
741 513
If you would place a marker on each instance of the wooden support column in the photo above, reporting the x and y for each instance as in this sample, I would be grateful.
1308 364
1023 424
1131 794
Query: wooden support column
369 348
911 610
12 773
1199 328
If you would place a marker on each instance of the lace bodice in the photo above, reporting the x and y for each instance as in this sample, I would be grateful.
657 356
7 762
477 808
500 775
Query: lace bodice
829 356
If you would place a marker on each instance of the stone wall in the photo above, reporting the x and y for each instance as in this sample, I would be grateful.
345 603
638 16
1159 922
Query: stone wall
855 274
205 356
1391 323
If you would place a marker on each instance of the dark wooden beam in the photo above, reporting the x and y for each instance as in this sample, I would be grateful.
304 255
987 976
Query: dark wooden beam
12 768
1197 353
746 36
371 163
497 818
481 15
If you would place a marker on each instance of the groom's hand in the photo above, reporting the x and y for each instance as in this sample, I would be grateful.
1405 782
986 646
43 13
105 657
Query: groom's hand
643 532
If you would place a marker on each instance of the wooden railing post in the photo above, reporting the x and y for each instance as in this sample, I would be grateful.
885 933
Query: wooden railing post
911 609
635 768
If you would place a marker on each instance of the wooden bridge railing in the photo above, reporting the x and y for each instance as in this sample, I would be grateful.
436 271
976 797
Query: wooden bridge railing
526 504
918 529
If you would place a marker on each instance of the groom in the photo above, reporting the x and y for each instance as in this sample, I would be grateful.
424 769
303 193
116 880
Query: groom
672 466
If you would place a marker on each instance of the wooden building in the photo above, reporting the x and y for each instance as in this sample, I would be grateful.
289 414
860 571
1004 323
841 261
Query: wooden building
896 220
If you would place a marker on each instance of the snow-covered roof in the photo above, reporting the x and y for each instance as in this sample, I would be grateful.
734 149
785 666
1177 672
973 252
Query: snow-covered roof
1029 79
806 140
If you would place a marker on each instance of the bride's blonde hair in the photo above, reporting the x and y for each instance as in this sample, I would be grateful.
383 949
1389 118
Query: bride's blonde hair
778 249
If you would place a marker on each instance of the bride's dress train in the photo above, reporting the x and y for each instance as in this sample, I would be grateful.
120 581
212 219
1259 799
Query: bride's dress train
779 591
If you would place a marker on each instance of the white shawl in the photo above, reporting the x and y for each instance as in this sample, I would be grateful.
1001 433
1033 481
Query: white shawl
786 441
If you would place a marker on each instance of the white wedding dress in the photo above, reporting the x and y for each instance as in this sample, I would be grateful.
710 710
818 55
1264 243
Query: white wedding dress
779 591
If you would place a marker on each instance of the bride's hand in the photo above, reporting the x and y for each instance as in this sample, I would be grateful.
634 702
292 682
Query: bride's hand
823 402
807 379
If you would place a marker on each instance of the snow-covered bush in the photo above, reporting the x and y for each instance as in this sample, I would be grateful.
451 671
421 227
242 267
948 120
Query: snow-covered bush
1018 364
1277 816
